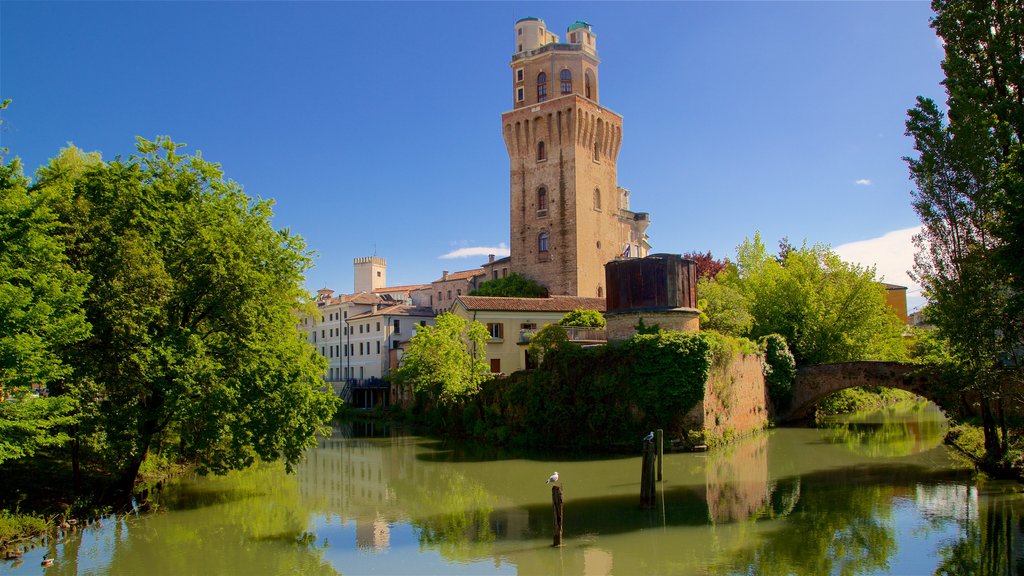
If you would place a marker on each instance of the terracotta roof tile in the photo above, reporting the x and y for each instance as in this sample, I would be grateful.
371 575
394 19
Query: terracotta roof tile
361 298
549 304
396 310
402 288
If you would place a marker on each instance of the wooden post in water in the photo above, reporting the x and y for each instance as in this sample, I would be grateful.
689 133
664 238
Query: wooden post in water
659 439
647 476
556 506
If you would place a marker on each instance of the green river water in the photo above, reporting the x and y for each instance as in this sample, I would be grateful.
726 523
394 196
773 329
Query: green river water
873 494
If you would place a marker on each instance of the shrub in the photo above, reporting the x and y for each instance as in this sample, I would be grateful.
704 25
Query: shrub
513 285
779 370
584 318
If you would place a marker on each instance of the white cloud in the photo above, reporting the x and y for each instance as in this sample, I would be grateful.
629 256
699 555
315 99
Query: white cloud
863 182
499 251
892 255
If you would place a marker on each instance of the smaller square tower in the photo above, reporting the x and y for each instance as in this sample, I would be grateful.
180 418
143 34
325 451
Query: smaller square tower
370 274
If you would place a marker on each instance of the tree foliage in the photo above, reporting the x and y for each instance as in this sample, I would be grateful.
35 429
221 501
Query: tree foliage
583 318
190 298
967 173
707 266
826 309
40 315
40 293
779 370
514 285
723 308
548 338
446 361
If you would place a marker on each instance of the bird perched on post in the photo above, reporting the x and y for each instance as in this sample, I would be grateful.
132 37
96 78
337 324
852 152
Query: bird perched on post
552 479
649 437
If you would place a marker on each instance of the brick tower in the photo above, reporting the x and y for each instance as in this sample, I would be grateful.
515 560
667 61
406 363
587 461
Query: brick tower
568 215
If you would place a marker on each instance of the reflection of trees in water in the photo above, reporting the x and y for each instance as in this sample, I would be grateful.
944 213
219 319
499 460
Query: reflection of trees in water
835 526
453 516
251 521
888 432
991 545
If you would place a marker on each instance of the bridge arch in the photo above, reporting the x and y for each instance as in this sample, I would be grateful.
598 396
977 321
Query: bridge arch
814 383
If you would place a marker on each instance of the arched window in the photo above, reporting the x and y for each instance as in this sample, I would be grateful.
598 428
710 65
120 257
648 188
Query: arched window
600 292
586 84
542 201
566 78
597 198
541 152
542 87
542 242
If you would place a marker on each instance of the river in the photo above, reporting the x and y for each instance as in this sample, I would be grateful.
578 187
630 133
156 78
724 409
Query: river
871 494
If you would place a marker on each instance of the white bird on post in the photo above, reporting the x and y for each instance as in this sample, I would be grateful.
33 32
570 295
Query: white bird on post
552 479
649 437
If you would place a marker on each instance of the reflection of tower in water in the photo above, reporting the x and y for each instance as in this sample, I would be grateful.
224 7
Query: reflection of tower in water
372 533
352 478
736 480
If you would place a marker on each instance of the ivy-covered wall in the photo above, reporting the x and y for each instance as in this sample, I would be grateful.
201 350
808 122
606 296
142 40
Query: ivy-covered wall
596 398
698 387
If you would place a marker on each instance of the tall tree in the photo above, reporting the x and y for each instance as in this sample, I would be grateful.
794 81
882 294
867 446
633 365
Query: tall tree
191 301
967 174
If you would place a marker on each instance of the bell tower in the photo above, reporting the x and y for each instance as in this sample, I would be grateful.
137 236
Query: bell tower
568 215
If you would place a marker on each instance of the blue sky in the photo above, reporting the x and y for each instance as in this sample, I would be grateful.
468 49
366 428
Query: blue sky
376 126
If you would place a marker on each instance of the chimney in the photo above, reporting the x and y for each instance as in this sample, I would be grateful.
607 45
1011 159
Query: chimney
444 275
490 258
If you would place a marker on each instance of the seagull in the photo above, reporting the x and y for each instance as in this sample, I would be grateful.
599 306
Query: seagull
553 478
649 437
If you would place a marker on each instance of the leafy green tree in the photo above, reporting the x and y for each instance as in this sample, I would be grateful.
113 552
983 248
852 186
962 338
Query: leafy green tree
548 338
968 174
446 361
583 318
826 309
514 285
40 314
722 305
191 299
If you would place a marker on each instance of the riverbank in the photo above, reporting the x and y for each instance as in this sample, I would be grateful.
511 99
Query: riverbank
36 498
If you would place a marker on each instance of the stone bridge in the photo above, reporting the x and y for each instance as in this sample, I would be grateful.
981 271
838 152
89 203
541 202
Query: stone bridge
814 383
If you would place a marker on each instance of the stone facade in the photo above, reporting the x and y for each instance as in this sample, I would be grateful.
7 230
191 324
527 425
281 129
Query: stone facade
446 289
622 325
568 215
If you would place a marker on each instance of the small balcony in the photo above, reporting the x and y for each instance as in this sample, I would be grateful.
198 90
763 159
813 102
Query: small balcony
578 334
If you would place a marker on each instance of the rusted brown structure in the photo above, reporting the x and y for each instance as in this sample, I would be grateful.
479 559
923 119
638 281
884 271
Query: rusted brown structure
659 281
660 289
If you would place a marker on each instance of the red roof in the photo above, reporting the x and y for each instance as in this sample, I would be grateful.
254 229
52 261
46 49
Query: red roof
396 310
549 304
402 288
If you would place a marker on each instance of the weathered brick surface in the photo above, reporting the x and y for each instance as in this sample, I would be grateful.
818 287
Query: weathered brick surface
735 401
622 325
